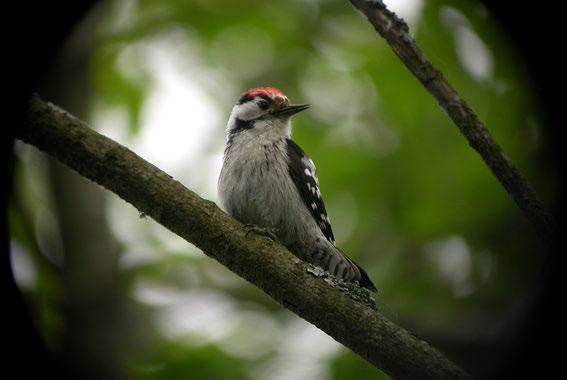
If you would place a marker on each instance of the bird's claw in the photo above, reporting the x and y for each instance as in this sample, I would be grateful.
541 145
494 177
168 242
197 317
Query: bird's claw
264 231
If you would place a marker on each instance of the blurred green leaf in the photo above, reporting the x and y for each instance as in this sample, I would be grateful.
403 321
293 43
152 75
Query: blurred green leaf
447 248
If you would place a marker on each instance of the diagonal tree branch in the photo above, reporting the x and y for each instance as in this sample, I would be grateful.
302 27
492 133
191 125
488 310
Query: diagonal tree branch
264 263
396 32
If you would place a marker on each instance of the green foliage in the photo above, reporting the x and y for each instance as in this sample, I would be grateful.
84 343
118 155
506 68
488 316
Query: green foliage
180 362
350 366
409 199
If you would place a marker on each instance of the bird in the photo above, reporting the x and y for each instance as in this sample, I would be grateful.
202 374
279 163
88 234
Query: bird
268 182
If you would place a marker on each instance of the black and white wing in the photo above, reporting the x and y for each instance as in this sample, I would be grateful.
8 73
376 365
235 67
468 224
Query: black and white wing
302 171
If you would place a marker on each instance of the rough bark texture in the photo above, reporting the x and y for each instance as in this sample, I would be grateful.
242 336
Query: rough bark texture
259 260
396 32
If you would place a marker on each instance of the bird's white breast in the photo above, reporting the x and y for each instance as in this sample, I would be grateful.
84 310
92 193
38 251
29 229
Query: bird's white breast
255 186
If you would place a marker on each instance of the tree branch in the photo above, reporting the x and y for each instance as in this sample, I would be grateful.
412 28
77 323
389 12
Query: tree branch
396 32
259 260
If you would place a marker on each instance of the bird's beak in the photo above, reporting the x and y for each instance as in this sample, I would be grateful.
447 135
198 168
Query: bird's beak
290 109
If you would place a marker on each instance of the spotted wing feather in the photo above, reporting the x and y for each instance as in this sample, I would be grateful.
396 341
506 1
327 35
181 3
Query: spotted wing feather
302 171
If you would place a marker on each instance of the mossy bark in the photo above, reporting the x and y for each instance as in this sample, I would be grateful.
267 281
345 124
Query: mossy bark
265 263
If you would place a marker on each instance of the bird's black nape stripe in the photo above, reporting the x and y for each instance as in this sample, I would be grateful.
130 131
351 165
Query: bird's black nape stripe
265 97
242 125
246 98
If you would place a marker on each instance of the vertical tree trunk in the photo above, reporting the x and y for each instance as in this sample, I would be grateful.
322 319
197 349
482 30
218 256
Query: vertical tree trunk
93 304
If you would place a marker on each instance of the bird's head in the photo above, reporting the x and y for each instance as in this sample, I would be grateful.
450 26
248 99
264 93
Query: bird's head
263 107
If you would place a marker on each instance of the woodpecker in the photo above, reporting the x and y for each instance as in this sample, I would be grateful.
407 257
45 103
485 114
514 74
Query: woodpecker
268 181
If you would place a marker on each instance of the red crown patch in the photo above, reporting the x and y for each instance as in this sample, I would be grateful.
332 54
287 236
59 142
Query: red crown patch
270 91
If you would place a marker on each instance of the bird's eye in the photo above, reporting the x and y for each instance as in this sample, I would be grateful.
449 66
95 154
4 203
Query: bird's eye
263 104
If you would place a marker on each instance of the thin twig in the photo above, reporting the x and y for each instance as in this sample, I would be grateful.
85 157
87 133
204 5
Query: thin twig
396 32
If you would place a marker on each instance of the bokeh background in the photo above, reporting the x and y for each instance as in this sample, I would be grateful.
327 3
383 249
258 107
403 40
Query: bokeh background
116 296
